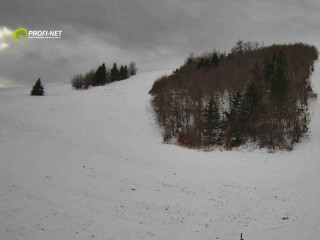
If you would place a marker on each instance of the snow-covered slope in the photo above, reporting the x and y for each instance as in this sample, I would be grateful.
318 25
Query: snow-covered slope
92 165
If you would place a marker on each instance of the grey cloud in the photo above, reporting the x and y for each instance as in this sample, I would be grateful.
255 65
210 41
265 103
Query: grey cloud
157 34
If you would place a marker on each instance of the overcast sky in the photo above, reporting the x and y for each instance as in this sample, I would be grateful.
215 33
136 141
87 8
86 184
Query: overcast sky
156 34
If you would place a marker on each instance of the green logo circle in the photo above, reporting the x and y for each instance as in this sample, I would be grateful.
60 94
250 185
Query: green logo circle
19 33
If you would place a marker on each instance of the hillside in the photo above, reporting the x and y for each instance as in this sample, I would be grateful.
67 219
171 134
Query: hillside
92 165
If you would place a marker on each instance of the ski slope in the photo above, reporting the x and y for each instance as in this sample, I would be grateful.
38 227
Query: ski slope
92 165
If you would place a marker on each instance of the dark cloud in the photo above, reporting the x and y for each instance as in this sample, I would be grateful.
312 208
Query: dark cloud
157 34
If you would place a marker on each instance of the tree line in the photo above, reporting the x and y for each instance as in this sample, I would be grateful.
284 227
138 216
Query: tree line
254 93
103 75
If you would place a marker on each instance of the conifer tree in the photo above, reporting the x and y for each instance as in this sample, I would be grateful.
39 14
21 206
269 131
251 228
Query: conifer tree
280 81
37 89
234 108
121 73
125 72
252 96
114 73
215 59
212 124
267 71
103 75
100 76
97 77
275 75
233 133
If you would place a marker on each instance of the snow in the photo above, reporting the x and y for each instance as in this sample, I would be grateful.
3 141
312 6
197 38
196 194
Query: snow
92 165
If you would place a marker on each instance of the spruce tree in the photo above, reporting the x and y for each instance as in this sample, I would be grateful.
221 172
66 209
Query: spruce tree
212 124
268 71
125 71
37 89
234 108
275 75
234 136
215 59
279 86
252 96
121 73
114 74
103 74
97 77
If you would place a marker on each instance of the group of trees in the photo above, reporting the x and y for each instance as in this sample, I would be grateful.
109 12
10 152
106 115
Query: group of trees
209 59
253 93
103 75
242 46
